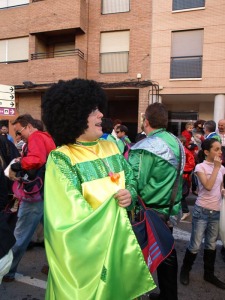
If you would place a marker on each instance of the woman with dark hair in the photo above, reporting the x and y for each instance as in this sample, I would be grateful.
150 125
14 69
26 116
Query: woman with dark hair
206 212
89 187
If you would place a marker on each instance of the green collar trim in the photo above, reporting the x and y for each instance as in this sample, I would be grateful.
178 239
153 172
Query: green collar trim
87 143
156 131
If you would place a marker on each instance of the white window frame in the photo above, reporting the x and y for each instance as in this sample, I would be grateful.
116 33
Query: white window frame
13 3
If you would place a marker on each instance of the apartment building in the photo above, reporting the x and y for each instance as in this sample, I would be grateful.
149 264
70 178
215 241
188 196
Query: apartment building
140 51
188 58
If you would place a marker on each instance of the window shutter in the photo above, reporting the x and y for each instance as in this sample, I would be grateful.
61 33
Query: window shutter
115 6
17 49
2 51
117 41
187 43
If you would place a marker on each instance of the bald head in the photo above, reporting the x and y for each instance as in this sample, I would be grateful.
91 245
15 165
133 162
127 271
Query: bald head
221 126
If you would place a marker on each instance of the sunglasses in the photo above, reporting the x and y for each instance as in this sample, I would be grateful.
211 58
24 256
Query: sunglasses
18 132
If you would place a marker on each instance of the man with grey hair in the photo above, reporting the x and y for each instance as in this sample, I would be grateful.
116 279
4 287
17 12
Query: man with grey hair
221 131
210 130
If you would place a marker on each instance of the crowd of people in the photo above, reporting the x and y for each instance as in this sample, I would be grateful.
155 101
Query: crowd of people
91 174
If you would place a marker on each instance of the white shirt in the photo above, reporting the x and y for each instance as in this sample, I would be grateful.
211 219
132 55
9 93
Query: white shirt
222 135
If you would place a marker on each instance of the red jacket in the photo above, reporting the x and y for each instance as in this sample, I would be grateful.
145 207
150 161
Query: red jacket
189 164
188 135
191 146
39 145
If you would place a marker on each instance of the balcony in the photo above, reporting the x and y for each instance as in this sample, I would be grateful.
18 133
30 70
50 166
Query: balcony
43 68
47 17
61 53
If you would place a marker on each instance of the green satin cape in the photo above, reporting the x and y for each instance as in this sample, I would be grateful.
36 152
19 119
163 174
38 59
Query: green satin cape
92 253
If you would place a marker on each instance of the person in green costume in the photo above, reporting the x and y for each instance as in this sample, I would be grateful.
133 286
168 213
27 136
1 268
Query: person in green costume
155 161
91 249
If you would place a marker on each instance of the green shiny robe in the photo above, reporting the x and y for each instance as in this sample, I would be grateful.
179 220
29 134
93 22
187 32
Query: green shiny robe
91 249
155 161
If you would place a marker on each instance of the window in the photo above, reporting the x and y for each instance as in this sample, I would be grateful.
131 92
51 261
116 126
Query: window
187 4
9 3
178 120
64 49
186 54
115 6
14 50
114 52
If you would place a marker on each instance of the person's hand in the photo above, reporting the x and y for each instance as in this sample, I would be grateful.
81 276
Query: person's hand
123 197
217 162
12 175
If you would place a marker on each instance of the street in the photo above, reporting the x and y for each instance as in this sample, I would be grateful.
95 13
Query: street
31 283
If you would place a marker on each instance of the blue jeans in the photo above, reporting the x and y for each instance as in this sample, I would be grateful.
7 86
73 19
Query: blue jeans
205 223
29 216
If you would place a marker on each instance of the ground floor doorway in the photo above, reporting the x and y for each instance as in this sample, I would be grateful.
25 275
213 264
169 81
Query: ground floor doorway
123 105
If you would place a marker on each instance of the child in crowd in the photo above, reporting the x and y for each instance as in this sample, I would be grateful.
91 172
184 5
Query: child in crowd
188 168
187 133
206 212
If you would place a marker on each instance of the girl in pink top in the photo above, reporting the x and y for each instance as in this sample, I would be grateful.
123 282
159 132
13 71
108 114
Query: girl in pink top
206 212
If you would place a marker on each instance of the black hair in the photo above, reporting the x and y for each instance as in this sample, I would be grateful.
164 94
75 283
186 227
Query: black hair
39 125
122 128
199 122
66 106
107 125
8 151
206 145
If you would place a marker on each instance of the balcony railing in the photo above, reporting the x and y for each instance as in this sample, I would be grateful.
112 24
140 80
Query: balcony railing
186 67
61 53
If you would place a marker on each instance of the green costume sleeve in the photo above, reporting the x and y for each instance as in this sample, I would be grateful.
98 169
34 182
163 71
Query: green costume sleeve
130 182
154 163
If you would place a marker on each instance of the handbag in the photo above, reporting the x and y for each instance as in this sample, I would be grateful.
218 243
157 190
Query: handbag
222 221
28 190
153 235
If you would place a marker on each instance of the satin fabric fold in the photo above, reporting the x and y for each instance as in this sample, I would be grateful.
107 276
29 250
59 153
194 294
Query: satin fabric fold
92 253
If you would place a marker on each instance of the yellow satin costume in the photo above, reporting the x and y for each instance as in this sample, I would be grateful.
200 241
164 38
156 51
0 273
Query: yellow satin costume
91 249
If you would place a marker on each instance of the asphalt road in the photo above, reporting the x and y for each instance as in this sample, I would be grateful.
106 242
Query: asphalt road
31 283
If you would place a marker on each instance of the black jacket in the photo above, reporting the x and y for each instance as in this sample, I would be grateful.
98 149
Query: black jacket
7 239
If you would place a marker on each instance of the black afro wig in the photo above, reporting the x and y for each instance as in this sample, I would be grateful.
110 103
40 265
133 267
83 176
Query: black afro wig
66 106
